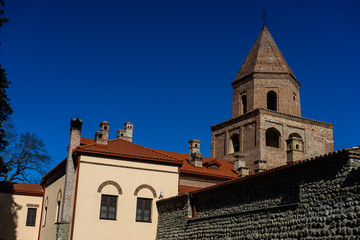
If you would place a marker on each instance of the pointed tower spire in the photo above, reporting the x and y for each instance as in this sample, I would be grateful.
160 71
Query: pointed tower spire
264 57
265 80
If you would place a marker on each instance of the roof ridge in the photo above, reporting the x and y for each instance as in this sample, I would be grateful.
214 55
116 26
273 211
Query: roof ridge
187 154
127 142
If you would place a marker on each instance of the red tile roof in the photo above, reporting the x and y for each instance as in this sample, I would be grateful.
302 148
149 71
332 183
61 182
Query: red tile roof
186 189
86 141
123 148
22 188
224 171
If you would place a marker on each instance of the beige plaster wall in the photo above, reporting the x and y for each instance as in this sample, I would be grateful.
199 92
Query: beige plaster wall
53 192
13 214
128 175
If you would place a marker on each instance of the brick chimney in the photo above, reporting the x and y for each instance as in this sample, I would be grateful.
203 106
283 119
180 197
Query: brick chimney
127 132
74 142
195 156
102 136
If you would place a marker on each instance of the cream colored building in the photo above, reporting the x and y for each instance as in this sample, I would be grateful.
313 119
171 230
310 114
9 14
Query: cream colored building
114 185
20 211
107 189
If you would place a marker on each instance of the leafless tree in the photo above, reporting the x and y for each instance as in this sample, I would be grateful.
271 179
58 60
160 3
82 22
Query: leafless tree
24 158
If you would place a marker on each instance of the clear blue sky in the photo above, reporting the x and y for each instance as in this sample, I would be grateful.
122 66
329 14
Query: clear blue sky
167 66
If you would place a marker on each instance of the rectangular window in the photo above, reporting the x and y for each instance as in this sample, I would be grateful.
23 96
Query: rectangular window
108 207
31 217
143 210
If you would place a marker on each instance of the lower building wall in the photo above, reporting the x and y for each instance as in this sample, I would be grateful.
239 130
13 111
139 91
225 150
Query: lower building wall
126 181
315 199
51 214
13 215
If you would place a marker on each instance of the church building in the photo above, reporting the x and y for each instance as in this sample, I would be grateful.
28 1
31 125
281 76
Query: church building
116 189
266 129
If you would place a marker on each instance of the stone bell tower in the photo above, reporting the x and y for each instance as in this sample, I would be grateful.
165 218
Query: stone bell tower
266 115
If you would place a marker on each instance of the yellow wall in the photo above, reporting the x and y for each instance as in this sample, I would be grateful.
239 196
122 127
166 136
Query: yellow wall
53 192
129 175
13 214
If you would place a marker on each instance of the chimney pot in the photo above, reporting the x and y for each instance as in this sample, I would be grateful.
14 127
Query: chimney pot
195 156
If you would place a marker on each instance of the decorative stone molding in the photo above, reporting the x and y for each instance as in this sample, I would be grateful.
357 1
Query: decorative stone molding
145 186
110 183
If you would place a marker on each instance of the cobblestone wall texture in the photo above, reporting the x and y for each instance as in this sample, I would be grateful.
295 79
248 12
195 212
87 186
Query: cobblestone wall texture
315 199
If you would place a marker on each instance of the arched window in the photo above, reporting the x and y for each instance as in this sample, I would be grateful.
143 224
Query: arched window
109 197
46 203
144 203
272 138
234 143
244 104
272 100
58 206
295 135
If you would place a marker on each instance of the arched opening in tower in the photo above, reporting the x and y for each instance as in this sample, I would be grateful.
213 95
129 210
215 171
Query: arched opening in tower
272 138
234 143
272 101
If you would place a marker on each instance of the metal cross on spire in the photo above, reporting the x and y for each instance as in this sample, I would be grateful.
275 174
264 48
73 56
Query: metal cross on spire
264 17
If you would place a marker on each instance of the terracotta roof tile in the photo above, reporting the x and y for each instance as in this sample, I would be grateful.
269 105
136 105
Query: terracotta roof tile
123 148
86 141
22 188
186 189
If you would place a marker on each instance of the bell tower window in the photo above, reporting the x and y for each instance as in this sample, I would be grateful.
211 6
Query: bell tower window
234 143
272 101
244 104
272 138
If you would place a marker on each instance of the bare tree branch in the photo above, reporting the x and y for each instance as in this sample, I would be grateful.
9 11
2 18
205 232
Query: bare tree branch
23 159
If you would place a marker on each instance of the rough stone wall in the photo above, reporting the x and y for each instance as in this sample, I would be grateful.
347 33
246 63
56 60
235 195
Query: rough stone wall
62 231
315 199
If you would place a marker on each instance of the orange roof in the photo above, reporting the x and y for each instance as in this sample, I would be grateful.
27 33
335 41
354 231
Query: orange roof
186 189
22 188
86 141
224 170
123 148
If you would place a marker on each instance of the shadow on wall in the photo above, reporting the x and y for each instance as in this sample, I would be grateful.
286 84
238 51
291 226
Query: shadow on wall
8 216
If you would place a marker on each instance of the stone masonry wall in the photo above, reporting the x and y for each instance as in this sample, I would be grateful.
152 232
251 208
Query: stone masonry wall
251 128
313 199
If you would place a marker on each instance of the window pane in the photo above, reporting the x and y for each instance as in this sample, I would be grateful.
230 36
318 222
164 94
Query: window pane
31 217
143 210
108 207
